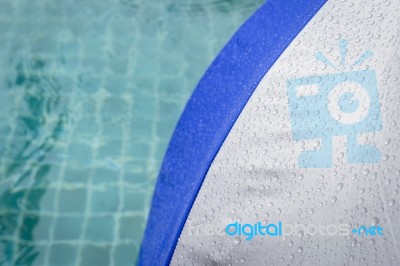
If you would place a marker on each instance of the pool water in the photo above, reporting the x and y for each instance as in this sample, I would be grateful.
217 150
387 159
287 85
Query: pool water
90 94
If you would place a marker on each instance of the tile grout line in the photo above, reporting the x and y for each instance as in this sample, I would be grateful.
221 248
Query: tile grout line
121 192
89 196
64 164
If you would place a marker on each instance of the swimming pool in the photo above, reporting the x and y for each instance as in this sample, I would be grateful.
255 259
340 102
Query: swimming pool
90 94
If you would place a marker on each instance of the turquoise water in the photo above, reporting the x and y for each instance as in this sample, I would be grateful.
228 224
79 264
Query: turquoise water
90 93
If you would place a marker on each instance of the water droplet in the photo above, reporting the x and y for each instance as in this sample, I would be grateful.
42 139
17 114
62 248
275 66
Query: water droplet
375 221
374 176
391 202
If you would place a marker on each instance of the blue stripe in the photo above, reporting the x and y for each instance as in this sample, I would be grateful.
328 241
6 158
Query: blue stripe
211 112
